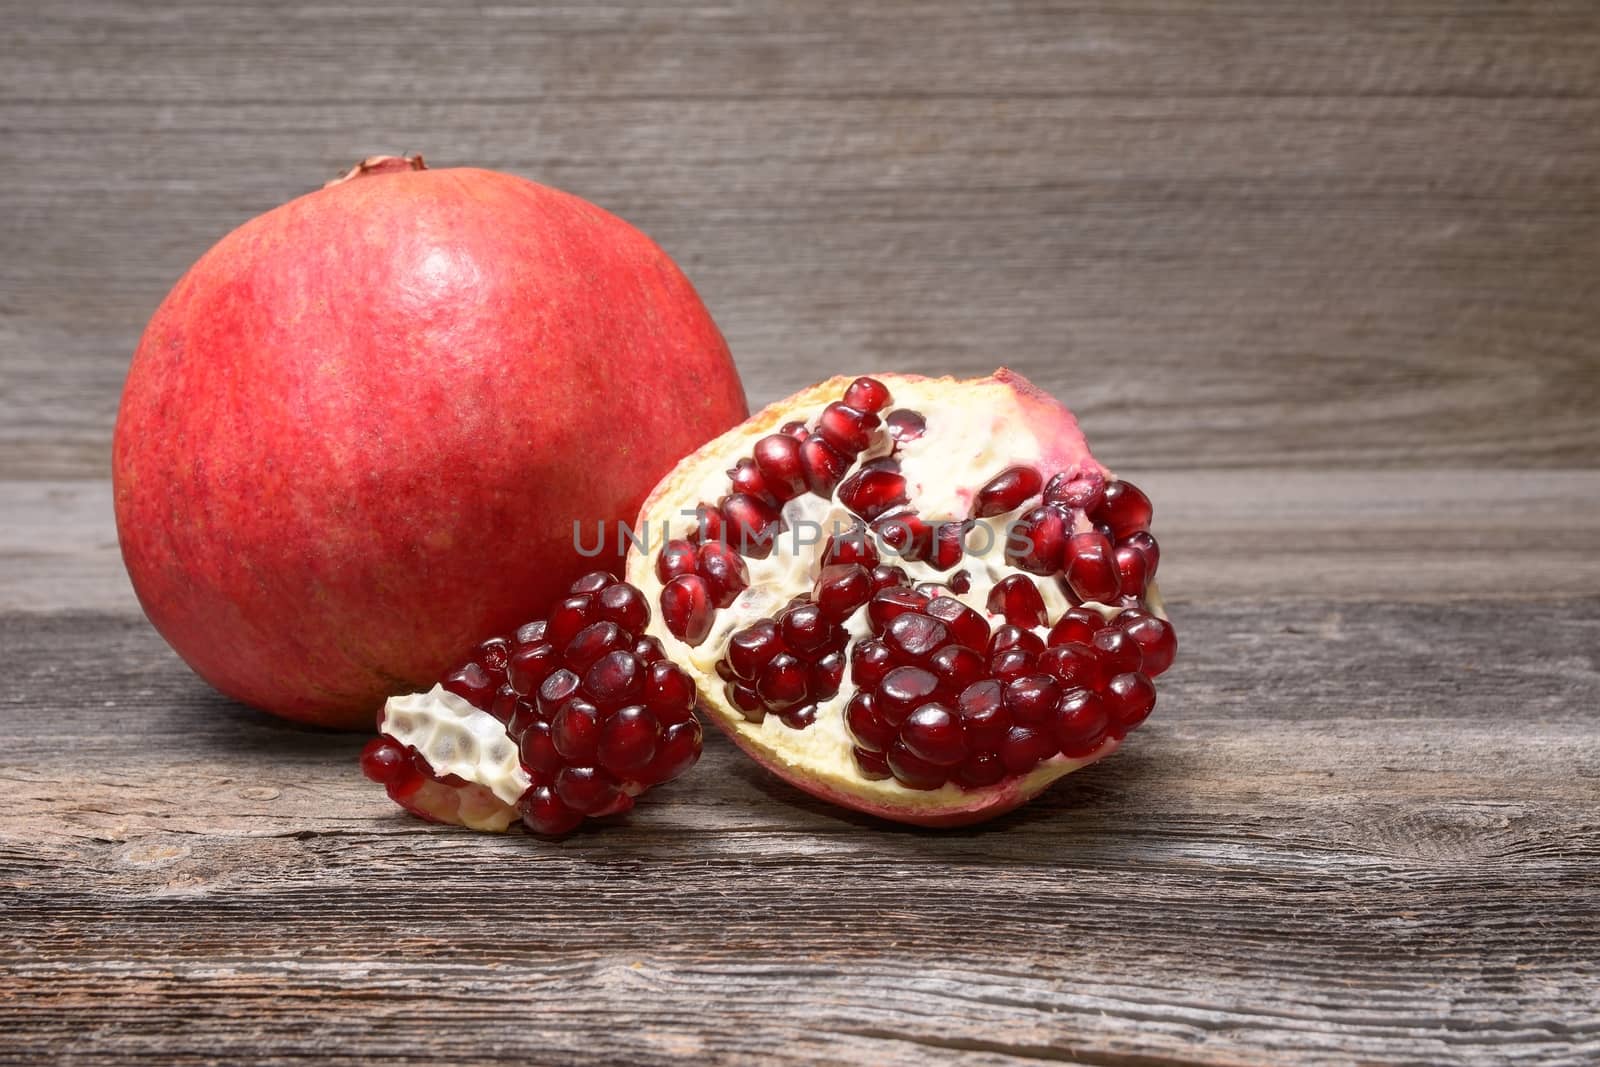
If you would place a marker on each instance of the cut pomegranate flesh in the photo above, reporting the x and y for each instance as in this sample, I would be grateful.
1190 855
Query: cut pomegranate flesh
571 718
933 582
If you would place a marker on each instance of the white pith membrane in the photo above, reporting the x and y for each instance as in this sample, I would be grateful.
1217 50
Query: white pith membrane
457 738
974 431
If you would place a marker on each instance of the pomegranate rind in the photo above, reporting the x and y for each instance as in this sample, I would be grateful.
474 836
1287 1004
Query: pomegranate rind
816 760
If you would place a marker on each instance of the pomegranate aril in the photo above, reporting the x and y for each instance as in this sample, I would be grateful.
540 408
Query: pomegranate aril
841 590
677 557
947 550
1077 625
795 429
1157 640
1145 543
1080 723
887 576
1037 542
889 604
531 633
575 729
407 780
905 425
850 546
821 466
846 428
1012 663
473 684
799 718
522 720
1119 653
867 394
871 493
933 733
912 770
778 457
383 759
615 679
505 703
746 478
668 692
1082 491
960 582
1025 747
827 675
753 524
709 526
1128 699
902 691
980 770
869 731
628 741
965 625
783 682
724 571
1073 665
1009 637
1006 491
544 813
1124 508
493 655
743 695
870 661
560 687
592 583
752 648
593 641
587 790
1032 699
915 638
648 650
530 666
569 616
678 751
686 608
1019 600
1133 572
984 715
1090 568
624 605
805 631
537 750
906 533
871 765
957 667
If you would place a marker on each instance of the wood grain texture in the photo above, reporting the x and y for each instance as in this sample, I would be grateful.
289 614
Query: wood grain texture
1229 234
1362 835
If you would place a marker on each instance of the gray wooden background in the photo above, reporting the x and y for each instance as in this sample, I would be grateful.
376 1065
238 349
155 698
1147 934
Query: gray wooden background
1324 275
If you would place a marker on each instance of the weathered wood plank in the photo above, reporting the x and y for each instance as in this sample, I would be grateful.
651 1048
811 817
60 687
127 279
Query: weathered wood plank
1424 534
1347 835
1243 235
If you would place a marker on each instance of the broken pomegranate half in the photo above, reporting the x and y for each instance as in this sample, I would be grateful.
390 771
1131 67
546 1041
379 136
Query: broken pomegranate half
918 598
571 717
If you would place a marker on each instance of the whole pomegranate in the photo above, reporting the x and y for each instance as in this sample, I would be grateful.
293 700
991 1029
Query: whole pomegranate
919 598
357 434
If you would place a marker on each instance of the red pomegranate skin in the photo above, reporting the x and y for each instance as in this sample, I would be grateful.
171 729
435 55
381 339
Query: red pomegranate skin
356 434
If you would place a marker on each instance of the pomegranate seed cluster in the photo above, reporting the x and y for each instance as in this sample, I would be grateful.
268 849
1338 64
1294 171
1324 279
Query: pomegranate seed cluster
1058 662
596 711
942 698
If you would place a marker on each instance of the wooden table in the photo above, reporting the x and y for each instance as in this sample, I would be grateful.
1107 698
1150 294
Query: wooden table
1324 277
